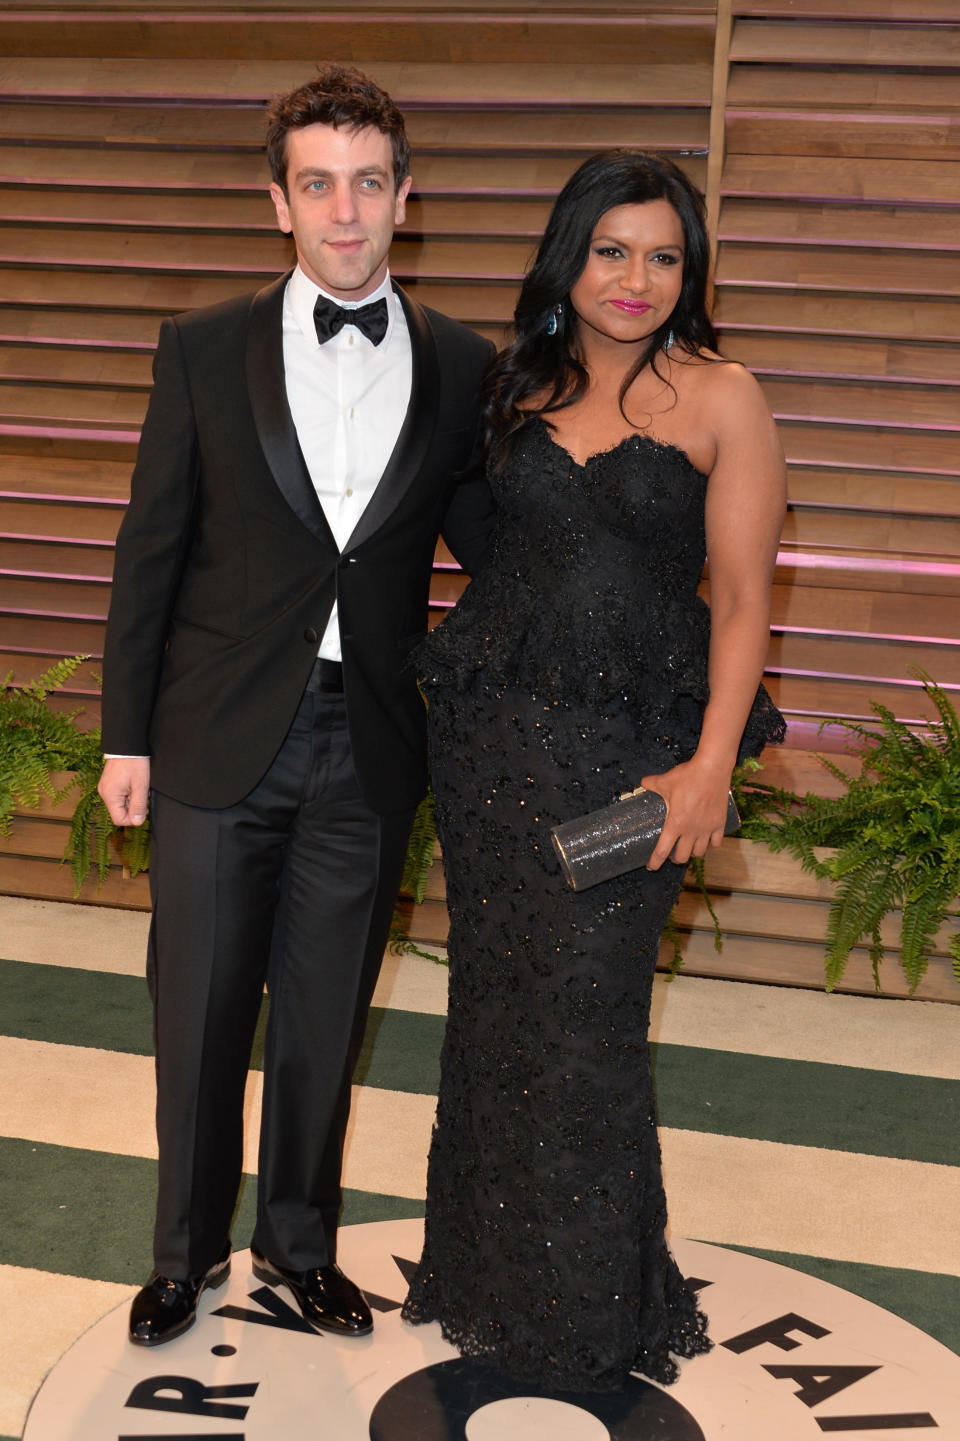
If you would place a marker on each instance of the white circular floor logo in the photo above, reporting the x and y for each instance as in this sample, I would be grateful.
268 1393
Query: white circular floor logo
793 1358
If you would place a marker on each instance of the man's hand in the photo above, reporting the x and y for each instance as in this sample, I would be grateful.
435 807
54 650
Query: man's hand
124 785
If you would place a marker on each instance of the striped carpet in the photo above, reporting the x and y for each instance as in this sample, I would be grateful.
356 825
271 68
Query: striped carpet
819 1131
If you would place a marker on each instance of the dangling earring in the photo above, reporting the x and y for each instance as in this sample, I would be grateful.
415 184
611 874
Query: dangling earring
669 342
553 324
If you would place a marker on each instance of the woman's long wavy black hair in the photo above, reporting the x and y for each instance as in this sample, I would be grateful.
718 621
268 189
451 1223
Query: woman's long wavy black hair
538 364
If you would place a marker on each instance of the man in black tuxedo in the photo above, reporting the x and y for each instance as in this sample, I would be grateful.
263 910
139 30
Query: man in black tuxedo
302 449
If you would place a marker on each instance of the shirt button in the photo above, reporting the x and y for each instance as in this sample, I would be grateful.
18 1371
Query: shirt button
311 635
349 490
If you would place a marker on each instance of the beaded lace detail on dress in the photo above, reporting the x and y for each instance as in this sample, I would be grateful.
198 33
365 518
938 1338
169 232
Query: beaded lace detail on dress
549 611
574 665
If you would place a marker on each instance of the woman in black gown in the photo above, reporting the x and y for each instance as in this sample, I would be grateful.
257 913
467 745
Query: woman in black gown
579 663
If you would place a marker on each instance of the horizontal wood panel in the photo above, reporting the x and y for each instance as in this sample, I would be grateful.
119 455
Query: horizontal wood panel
50 635
112 168
796 132
890 90
839 43
112 368
853 269
83 600
236 8
826 569
773 917
57 443
241 127
839 133
56 556
366 39
886 662
842 446
80 405
861 402
158 294
843 357
912 227
865 611
830 178
773 309
104 481
58 518
46 323
26 666
798 963
412 84
856 530
876 490
45 879
841 696
916 10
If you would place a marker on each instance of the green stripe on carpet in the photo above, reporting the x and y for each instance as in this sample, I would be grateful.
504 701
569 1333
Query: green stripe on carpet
53 1200
76 1008
807 1103
401 1049
929 1301
401 1052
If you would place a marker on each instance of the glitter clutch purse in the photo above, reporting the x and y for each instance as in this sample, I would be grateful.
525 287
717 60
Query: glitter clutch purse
617 838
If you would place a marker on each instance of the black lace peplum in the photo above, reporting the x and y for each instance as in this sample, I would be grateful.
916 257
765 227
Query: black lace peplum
574 664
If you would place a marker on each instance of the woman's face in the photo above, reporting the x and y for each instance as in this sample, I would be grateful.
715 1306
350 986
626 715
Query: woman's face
633 275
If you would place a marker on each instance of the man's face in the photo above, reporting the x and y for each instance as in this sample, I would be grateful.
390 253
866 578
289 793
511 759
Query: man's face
340 206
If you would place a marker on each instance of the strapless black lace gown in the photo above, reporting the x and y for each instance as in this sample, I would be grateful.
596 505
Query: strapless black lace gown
573 665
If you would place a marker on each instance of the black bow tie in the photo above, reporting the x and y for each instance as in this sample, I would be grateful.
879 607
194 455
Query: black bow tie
330 318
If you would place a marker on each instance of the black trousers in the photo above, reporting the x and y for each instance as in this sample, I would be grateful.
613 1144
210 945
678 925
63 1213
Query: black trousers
293 886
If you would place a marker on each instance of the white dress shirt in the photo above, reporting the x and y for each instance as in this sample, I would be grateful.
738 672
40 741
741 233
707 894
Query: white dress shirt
348 398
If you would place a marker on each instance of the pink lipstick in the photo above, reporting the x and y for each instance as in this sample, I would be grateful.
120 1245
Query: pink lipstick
632 307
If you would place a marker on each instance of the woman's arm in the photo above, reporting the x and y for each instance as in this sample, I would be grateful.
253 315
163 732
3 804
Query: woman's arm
746 500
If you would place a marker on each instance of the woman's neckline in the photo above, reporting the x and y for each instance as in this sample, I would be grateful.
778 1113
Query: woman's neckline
636 435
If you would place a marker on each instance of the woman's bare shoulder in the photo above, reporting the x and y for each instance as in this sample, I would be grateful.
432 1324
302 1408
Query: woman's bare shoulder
726 388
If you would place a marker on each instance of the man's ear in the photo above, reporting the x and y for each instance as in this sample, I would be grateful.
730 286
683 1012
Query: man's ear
403 190
280 206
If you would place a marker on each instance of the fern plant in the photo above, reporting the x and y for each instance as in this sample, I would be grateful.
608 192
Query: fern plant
895 831
36 743
418 861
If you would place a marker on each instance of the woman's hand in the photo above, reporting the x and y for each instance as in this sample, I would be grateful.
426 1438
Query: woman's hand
696 796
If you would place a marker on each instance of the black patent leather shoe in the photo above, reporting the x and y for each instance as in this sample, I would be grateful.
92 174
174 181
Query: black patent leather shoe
326 1297
166 1308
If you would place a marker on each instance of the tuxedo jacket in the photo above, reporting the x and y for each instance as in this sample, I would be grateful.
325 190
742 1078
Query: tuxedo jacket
226 570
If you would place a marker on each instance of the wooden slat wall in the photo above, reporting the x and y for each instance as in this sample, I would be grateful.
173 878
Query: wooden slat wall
132 185
837 282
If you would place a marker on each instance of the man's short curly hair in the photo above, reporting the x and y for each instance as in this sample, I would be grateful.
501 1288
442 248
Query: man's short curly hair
341 96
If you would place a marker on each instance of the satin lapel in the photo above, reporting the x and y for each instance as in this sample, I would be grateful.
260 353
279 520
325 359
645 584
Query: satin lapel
417 430
271 412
